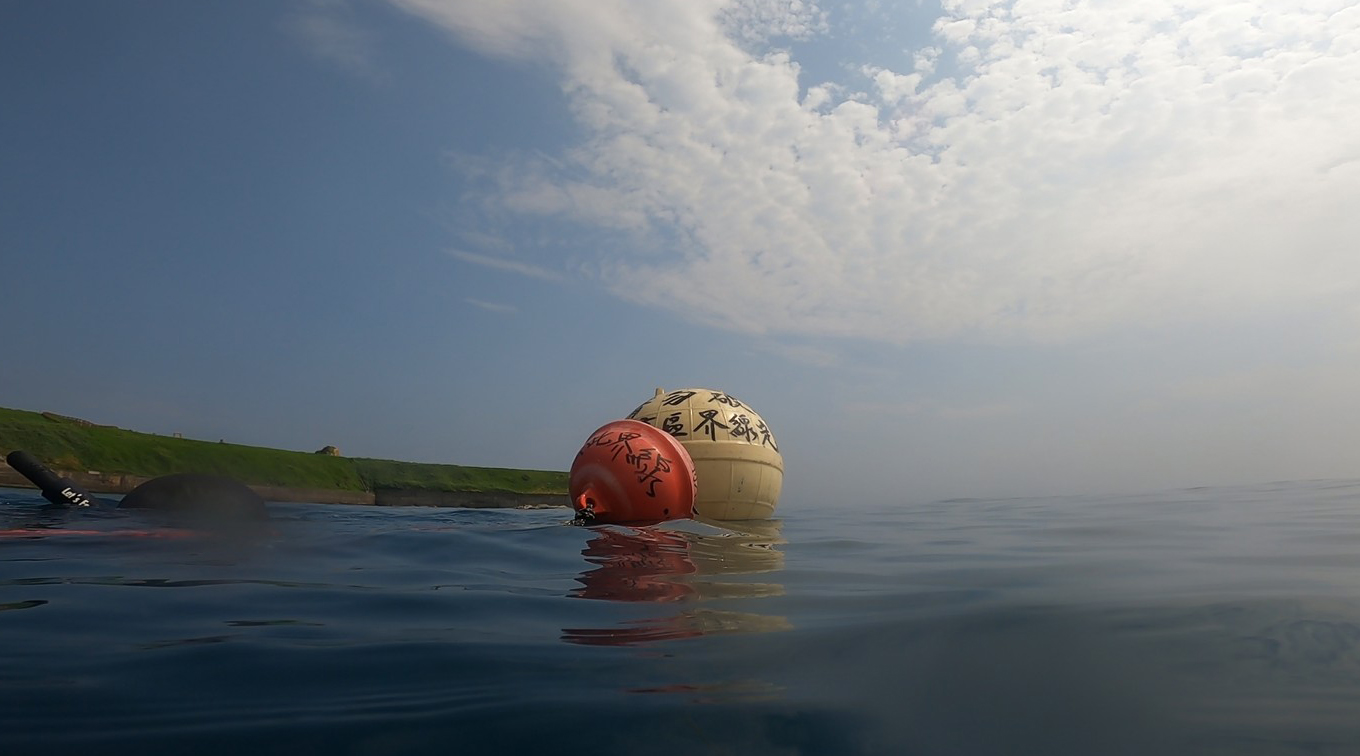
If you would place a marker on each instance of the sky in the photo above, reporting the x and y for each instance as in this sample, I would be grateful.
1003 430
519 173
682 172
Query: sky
946 248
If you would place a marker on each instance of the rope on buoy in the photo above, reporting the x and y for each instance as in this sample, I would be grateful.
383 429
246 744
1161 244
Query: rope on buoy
586 514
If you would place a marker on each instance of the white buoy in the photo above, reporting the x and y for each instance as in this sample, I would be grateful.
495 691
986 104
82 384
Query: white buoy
736 459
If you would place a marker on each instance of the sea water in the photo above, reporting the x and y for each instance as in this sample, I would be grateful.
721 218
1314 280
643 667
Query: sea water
1204 621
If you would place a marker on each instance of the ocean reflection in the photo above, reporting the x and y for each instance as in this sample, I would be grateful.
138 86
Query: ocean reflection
656 564
32 517
639 564
35 518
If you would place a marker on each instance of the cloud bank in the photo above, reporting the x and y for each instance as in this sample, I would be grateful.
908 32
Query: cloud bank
1043 170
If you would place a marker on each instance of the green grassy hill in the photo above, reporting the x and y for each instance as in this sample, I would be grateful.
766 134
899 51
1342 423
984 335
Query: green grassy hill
71 444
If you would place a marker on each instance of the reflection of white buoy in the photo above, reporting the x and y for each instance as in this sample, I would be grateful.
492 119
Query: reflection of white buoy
736 459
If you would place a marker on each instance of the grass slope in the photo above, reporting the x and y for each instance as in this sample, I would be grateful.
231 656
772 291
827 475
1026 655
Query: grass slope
72 444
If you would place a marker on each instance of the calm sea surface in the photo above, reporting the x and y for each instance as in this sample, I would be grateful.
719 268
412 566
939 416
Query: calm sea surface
1204 621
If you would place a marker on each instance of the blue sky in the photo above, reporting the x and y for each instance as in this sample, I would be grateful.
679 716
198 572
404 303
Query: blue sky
966 248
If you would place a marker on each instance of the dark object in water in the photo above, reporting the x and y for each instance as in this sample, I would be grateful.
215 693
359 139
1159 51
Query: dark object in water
202 496
190 493
58 490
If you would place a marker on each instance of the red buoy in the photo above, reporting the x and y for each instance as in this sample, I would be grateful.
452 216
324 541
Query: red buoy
629 471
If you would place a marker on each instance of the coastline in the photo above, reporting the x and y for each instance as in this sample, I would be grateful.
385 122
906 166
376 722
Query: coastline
85 452
113 483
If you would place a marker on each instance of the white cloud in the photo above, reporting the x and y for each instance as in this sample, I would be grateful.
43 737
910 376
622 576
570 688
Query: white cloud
1051 169
328 32
502 264
763 20
491 306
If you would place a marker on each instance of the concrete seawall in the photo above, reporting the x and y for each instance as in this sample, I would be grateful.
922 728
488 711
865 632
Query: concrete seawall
106 483
401 497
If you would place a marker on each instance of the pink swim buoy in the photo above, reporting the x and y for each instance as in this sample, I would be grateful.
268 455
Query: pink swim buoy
631 472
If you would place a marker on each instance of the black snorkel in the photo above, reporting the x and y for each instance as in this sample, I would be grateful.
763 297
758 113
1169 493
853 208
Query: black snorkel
60 491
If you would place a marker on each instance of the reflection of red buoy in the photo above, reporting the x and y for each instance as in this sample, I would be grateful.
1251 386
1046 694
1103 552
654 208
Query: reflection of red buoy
642 565
629 471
